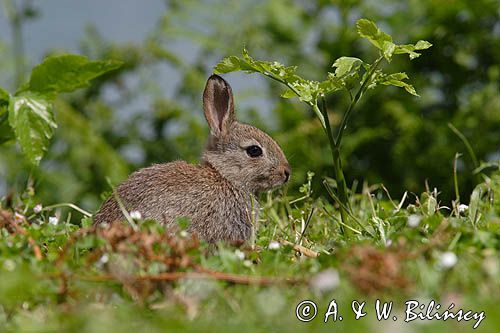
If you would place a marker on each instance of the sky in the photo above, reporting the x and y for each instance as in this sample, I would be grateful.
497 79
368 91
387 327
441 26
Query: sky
61 24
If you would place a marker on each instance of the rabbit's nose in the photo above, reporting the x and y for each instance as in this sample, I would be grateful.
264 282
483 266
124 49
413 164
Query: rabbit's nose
287 175
286 171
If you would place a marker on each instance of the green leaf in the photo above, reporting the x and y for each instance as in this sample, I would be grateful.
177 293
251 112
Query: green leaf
346 74
332 84
396 79
308 90
66 73
369 30
474 204
247 63
228 65
422 45
388 49
410 48
288 94
30 115
411 90
346 65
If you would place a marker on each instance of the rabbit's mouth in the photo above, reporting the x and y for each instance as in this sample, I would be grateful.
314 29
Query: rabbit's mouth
272 182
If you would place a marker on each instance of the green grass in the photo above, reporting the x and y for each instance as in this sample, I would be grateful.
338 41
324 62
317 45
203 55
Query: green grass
119 280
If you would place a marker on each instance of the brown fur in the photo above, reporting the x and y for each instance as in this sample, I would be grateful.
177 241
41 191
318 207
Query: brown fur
217 196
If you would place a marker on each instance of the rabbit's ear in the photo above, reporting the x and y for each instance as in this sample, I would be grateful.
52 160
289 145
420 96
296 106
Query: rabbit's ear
218 105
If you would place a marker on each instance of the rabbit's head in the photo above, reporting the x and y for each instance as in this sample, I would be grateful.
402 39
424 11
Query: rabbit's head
244 155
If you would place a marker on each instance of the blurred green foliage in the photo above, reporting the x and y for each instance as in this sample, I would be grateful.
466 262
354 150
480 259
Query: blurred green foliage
346 78
126 119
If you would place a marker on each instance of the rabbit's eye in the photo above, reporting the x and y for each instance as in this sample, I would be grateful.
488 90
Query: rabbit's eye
254 151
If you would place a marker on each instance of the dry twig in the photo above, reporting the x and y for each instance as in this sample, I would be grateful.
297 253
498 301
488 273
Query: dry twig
301 249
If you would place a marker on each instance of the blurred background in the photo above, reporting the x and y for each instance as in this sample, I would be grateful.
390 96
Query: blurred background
150 110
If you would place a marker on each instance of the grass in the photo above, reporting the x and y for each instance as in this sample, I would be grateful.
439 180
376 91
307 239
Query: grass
64 277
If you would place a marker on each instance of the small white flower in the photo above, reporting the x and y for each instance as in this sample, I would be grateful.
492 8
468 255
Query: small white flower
414 220
18 217
183 234
274 245
240 255
9 265
136 215
448 259
53 220
462 208
104 259
326 280
270 303
491 265
388 242
37 209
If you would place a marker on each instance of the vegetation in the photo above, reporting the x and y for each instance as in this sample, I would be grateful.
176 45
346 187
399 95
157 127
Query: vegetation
416 181
345 78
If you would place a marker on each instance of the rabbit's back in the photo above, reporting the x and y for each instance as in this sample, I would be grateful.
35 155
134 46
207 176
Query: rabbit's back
165 192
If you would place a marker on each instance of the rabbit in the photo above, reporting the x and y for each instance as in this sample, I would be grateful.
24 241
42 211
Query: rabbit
218 195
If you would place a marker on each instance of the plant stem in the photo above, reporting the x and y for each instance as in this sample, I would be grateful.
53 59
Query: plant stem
337 166
455 178
343 195
472 155
466 143
70 205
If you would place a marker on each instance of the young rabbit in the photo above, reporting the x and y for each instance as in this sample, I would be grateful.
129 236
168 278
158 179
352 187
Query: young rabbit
238 163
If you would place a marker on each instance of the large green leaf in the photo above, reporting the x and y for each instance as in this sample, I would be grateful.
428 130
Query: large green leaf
31 117
30 110
369 30
66 73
